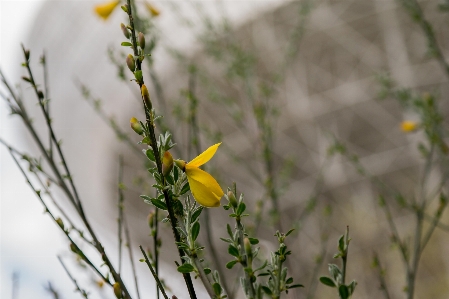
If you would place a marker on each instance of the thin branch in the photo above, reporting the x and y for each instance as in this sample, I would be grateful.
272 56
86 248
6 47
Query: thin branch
131 258
156 278
80 290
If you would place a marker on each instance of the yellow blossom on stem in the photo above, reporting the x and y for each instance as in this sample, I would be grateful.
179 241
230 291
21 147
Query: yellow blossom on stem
153 10
408 126
205 189
104 10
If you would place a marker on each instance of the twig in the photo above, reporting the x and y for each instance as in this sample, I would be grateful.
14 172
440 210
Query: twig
417 14
156 278
81 291
131 258
381 274
120 212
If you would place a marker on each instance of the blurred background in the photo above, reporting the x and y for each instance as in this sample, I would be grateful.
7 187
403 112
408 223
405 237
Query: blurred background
279 77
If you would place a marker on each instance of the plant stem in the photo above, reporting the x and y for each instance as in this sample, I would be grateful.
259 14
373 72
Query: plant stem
131 258
156 278
150 124
81 291
120 213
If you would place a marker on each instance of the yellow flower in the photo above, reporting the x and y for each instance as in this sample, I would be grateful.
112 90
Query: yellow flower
408 126
203 186
153 10
104 10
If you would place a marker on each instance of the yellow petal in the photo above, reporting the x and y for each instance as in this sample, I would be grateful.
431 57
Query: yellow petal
204 187
203 157
206 179
153 10
104 10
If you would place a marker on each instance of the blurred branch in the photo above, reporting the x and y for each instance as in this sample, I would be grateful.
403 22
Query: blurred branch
80 290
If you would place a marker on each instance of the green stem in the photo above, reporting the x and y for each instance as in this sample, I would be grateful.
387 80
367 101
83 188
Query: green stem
156 278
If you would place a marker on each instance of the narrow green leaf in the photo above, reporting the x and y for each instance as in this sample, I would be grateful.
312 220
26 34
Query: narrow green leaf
241 208
295 286
195 230
126 44
185 188
343 291
196 214
233 251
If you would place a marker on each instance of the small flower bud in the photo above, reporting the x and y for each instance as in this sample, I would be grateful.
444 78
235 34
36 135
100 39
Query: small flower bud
174 297
167 163
40 94
232 199
141 39
117 290
130 62
125 8
27 55
181 164
73 248
409 126
151 219
124 30
60 223
146 96
248 250
100 284
135 125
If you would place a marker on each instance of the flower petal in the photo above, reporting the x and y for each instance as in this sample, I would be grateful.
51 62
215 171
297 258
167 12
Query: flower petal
206 179
204 187
203 157
104 10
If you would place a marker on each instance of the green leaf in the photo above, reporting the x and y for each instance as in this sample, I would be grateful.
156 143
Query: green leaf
253 241
295 286
233 251
231 264
289 281
217 289
196 214
241 208
138 75
207 271
228 228
185 188
341 243
150 155
155 202
175 173
141 260
327 281
343 291
169 179
351 287
126 44
266 290
186 268
195 230
289 232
